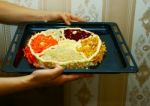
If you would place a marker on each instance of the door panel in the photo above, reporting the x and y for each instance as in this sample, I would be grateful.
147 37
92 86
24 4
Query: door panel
104 89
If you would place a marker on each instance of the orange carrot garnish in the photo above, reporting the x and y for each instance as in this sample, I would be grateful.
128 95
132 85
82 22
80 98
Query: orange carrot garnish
42 42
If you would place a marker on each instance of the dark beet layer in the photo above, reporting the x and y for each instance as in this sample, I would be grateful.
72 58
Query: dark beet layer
76 34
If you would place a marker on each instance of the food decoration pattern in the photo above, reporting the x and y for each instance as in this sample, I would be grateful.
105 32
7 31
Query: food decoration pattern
71 48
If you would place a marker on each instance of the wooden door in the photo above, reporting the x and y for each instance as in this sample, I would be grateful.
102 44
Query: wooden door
104 89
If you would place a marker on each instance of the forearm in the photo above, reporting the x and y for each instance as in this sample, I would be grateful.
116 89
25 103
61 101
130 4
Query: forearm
14 84
13 14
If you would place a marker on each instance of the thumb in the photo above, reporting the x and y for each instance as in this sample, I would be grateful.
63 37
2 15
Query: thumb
48 73
66 19
58 70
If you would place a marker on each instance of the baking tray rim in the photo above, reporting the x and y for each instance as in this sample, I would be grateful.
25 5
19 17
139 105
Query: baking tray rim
23 26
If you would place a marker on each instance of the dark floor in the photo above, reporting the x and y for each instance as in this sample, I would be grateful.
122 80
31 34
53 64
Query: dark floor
50 96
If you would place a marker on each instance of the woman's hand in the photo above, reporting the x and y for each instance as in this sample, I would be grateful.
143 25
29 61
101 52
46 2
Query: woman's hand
20 14
50 77
57 16
39 78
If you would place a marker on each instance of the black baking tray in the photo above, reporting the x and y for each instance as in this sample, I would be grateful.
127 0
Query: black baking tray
118 58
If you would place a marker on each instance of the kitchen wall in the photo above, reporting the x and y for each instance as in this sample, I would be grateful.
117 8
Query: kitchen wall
133 18
138 92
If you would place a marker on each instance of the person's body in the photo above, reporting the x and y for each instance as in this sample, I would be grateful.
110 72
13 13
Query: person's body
13 14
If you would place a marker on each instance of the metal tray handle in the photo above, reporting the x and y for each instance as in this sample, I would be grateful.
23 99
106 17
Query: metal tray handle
124 48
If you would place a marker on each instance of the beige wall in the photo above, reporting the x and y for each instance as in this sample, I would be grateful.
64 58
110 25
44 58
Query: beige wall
102 90
139 84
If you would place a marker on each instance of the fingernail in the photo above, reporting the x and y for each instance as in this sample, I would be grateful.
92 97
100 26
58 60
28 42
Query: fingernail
68 23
